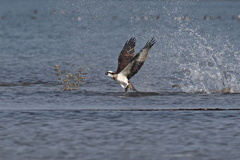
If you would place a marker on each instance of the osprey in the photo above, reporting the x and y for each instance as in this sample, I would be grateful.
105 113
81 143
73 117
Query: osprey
128 64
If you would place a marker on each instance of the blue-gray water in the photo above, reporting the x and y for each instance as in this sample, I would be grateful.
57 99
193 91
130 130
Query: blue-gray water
197 48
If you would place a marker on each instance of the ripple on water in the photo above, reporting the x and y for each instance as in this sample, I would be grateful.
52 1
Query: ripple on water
129 135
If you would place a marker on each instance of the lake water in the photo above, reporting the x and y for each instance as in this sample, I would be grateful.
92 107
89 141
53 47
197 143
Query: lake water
47 112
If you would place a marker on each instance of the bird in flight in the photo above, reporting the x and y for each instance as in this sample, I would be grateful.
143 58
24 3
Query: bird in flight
129 64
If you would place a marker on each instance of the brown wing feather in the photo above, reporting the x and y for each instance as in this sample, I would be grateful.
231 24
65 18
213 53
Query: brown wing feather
126 54
136 63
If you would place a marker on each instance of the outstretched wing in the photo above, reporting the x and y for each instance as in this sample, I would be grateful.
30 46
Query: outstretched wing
136 63
126 54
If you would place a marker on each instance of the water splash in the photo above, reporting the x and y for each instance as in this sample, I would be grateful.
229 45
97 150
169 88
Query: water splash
209 64
68 80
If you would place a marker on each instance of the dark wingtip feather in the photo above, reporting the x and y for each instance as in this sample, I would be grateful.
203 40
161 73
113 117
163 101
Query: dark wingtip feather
131 42
150 43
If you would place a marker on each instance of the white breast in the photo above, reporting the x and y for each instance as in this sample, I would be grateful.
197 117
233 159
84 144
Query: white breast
122 78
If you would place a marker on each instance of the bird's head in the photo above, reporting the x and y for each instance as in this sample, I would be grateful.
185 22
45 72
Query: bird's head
109 73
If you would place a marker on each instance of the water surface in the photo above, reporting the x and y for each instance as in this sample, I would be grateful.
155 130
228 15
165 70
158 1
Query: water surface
43 116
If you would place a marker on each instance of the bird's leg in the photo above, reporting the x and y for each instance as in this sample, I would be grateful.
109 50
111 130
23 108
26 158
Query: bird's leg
132 88
126 88
122 85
